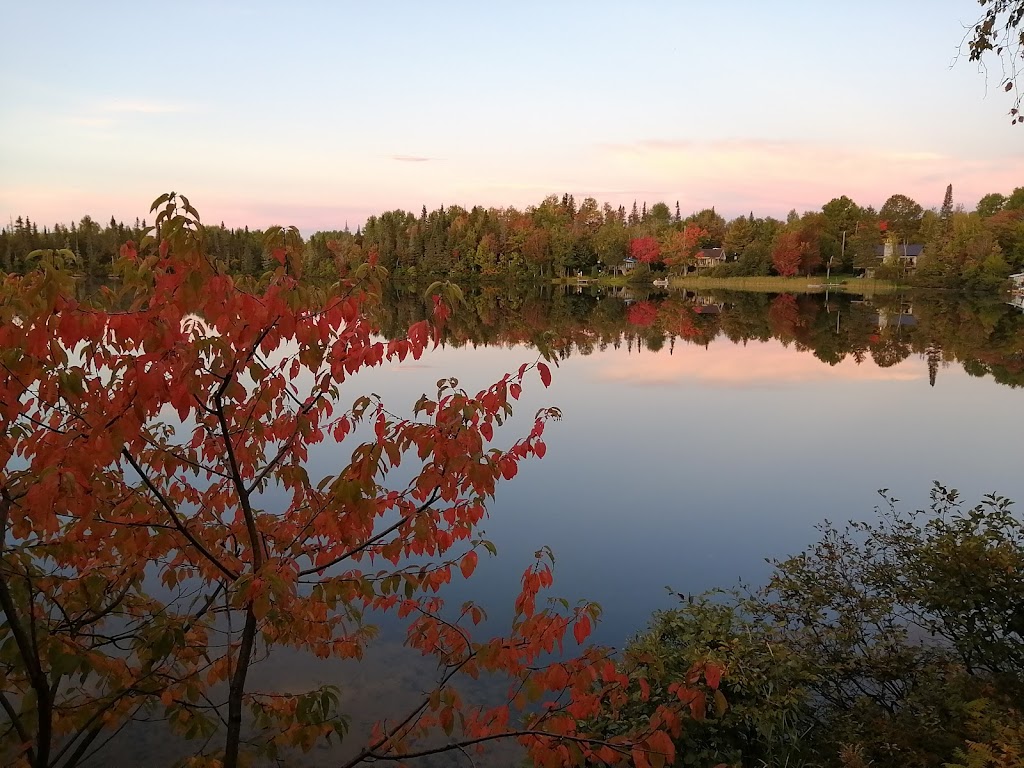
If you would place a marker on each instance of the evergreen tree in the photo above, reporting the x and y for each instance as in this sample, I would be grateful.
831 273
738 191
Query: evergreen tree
946 212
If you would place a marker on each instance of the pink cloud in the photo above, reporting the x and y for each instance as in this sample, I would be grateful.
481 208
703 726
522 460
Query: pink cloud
770 177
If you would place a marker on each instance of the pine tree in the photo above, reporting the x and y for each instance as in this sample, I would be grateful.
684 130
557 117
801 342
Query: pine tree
946 212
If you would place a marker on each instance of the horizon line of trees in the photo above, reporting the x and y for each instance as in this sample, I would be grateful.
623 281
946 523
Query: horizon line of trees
972 250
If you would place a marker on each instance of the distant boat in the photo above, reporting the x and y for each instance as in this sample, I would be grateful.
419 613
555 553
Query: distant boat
662 283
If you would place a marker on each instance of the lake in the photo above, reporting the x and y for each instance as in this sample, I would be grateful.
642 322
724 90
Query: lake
701 434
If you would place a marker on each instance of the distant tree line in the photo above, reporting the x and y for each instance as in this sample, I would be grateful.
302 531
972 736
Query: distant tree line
97 246
971 250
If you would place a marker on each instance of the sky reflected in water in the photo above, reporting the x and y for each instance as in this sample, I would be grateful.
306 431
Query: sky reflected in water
687 467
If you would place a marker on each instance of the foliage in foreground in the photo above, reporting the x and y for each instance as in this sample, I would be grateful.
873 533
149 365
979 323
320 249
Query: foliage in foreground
160 531
896 643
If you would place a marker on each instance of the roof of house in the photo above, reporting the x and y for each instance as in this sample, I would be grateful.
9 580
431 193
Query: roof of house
710 253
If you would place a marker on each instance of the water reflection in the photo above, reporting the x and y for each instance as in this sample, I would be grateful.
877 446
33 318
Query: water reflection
984 335
704 433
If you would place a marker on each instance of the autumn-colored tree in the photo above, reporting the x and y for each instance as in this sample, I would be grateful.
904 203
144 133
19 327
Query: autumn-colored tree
160 431
679 246
645 249
643 314
787 253
784 317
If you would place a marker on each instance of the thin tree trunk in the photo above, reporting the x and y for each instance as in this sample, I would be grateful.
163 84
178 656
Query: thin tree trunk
236 691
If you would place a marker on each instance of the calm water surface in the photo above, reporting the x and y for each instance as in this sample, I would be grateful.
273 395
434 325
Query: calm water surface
700 436
687 466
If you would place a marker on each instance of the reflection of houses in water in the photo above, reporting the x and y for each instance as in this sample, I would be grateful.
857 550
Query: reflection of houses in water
897 317
704 304
1017 290
624 292
709 309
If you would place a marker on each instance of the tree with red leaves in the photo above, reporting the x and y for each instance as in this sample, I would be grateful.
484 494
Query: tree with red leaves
160 430
645 249
787 253
680 246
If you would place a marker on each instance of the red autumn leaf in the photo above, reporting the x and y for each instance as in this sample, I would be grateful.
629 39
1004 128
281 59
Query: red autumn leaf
468 564
581 629
509 468
545 373
713 675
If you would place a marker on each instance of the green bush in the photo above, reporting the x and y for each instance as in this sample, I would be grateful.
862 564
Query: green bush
897 643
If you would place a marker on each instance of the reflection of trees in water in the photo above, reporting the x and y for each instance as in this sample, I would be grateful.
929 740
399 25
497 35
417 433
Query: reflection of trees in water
889 351
934 356
985 335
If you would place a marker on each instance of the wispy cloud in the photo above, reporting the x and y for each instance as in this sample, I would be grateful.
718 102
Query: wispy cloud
142 107
410 158
91 122
113 113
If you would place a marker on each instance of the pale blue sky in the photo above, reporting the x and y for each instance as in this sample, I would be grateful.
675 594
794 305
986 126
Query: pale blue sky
320 113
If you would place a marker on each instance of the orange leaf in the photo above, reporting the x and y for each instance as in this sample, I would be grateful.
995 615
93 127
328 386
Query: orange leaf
468 564
713 674
581 630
